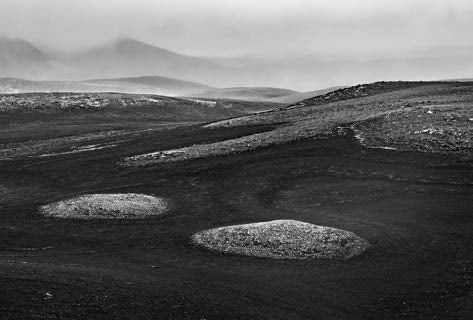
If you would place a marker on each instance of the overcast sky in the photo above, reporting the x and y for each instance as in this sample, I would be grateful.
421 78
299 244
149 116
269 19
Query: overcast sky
238 27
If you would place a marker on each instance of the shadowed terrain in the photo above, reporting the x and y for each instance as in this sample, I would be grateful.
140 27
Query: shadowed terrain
322 161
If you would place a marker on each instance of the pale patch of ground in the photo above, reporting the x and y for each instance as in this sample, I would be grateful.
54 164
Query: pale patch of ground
29 148
443 129
66 100
62 145
282 239
107 206
302 129
91 147
204 102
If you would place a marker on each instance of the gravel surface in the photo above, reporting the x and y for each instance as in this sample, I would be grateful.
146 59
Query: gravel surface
445 126
282 239
443 129
106 206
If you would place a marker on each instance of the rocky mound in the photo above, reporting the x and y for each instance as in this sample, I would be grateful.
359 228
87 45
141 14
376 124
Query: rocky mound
106 206
282 239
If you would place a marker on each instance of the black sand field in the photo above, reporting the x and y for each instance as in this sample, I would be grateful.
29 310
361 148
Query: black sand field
414 208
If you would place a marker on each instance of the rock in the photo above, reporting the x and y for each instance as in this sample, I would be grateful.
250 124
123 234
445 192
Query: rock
107 206
282 239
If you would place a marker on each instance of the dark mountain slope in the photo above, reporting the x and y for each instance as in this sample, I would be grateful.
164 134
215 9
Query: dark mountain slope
132 58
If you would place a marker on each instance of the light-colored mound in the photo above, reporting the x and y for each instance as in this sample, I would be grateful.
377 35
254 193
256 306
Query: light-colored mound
282 239
107 206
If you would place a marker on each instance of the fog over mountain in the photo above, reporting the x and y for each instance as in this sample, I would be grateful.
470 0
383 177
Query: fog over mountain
301 45
19 58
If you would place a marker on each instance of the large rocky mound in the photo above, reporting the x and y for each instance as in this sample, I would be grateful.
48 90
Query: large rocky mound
282 239
107 206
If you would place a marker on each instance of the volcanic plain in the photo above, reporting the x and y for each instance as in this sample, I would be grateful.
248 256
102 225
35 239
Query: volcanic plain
390 162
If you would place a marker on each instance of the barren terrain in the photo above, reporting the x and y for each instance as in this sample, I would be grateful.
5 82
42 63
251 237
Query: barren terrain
390 162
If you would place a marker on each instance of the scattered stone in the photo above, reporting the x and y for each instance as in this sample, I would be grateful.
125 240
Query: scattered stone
282 239
107 206
441 133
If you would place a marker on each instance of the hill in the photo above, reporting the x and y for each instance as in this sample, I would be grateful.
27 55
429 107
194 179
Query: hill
299 96
113 104
150 85
387 162
246 93
443 107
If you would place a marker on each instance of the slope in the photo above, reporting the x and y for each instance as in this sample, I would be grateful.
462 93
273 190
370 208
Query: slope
246 93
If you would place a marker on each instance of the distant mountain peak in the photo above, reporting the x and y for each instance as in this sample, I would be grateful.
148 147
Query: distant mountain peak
125 41
18 46
130 44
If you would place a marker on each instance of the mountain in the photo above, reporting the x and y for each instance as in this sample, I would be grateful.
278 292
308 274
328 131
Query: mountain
126 58
19 58
245 93
132 58
150 85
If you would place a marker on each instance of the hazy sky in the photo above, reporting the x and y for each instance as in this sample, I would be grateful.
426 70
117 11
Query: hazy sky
234 27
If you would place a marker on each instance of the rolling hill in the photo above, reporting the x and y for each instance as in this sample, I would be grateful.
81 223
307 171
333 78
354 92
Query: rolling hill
151 85
389 161
246 93
299 96
445 125
127 57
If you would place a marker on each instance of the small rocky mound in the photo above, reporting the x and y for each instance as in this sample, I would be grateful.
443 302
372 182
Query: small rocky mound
106 206
282 239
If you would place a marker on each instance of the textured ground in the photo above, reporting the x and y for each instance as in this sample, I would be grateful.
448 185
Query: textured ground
433 129
414 208
282 239
106 206
395 108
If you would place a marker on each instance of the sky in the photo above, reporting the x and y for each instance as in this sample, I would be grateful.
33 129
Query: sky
245 27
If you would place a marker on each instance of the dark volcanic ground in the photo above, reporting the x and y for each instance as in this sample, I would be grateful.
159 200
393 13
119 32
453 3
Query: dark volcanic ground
414 208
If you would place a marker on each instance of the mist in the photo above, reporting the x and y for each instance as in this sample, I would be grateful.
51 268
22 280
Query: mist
232 28
298 37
